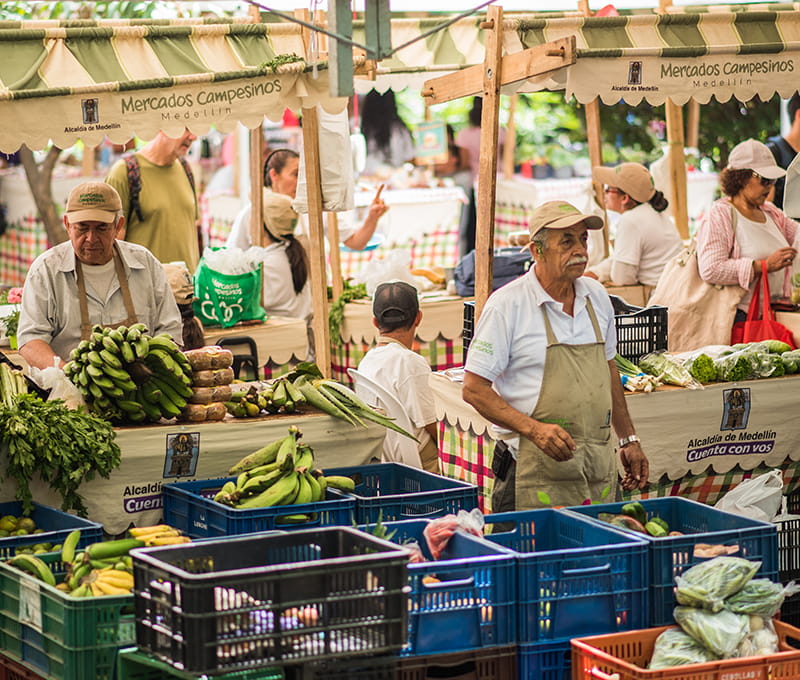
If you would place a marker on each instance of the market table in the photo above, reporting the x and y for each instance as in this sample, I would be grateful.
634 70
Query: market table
700 443
438 337
132 494
281 342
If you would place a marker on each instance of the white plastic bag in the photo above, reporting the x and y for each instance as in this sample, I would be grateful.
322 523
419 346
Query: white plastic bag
757 498
335 162
394 267
60 386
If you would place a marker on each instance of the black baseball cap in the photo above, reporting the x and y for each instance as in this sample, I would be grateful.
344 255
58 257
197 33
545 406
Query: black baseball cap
395 303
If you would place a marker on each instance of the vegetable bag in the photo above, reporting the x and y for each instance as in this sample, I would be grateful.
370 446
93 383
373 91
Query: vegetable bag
226 299
761 326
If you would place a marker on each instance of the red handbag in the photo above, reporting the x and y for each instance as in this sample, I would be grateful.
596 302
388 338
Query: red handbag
754 329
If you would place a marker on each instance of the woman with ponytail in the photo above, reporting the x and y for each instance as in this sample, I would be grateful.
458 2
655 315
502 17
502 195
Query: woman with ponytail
646 238
286 286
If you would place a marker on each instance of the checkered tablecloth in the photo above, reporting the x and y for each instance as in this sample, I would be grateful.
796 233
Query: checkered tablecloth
21 244
467 456
440 353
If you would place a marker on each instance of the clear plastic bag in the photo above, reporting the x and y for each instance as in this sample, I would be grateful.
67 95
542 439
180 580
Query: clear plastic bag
762 640
721 632
760 597
61 387
675 648
440 530
396 266
757 498
708 584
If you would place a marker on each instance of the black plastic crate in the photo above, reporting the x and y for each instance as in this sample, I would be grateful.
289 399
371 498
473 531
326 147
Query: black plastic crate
493 663
223 605
638 333
789 557
641 332
469 325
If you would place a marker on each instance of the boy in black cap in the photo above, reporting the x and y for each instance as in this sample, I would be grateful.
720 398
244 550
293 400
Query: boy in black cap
400 370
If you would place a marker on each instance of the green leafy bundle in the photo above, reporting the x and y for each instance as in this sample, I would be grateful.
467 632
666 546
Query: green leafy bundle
63 447
336 310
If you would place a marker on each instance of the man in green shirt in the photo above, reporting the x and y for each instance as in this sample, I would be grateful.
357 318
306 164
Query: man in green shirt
166 223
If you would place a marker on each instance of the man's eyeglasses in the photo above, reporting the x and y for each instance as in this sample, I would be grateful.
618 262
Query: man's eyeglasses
83 229
765 181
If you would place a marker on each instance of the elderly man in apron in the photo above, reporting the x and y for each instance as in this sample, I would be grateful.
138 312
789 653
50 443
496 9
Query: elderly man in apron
541 368
92 279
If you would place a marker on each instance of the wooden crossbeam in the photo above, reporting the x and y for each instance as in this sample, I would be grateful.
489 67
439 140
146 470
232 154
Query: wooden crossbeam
534 61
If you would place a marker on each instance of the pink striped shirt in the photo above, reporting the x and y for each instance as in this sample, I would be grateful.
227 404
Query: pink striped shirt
718 255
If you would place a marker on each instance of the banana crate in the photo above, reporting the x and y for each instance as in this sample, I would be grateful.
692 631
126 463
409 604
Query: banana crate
54 526
394 492
699 525
259 600
190 507
59 636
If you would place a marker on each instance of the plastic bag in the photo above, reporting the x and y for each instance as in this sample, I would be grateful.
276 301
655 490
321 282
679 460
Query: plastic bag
669 370
54 379
439 531
675 648
760 597
396 266
335 164
761 640
756 498
721 632
708 584
748 363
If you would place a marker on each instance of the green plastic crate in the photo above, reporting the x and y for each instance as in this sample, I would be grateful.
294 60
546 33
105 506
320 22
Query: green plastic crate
59 636
134 665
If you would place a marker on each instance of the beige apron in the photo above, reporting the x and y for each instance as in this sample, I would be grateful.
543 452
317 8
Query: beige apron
576 393
86 326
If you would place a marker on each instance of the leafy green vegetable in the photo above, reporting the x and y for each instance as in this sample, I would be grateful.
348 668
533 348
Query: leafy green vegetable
280 60
336 310
62 447
626 367
702 368
791 361
735 367
774 346
759 596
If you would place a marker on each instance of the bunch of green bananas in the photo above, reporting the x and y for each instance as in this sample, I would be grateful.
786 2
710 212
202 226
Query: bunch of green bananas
280 395
280 473
126 376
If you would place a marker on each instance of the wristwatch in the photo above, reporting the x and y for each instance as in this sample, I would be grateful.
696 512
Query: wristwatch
630 439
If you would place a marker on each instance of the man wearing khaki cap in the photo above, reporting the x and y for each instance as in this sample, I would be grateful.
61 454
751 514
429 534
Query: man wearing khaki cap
541 368
91 279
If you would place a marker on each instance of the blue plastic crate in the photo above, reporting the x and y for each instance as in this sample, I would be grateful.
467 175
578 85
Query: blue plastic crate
190 507
574 577
670 556
399 492
544 661
57 525
472 605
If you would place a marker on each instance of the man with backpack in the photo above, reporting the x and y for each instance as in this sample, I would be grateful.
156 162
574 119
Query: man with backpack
159 201
784 149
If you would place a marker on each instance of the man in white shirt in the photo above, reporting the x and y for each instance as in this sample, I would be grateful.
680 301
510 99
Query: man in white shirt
92 279
541 368
397 368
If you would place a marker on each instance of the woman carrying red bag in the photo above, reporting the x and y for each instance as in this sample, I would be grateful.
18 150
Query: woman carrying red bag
745 233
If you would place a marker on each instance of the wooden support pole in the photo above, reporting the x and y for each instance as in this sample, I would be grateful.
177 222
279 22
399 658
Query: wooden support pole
693 124
257 186
316 238
511 138
88 161
677 167
487 169
592 111
337 284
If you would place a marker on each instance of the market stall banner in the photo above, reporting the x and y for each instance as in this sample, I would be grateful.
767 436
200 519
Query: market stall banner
87 80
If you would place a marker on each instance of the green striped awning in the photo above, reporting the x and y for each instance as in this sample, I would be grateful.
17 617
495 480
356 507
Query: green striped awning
699 52
71 80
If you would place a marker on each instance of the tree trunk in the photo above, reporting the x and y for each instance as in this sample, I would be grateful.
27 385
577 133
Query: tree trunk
40 181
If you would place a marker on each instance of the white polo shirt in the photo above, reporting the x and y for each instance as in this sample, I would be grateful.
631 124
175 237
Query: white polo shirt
509 343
